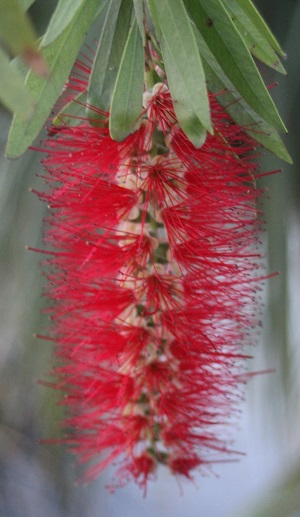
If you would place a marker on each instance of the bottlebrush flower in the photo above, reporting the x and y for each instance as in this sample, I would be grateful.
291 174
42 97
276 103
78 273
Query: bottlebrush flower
152 276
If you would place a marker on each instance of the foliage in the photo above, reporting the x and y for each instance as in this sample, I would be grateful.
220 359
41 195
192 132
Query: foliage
219 38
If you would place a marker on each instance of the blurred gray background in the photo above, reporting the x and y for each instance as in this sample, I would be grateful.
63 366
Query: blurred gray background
40 480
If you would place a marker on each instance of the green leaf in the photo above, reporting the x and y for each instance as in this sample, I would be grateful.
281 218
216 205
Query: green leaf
63 15
26 4
260 24
228 47
254 39
183 68
109 54
13 93
153 16
16 30
139 14
73 112
238 109
184 109
127 99
60 56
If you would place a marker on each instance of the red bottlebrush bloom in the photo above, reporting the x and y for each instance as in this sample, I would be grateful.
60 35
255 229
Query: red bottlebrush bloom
152 269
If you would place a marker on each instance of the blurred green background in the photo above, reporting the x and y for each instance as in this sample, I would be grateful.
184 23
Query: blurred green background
39 479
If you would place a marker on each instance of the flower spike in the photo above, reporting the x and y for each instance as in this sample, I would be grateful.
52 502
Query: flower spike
153 269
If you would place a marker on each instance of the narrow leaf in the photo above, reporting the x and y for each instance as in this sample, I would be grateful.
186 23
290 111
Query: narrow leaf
127 99
153 17
73 112
21 66
16 30
261 25
228 47
26 4
184 110
13 93
109 54
17 34
139 14
183 68
237 108
63 15
254 39
60 56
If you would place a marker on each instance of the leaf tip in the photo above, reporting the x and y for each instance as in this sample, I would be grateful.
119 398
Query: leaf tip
36 62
